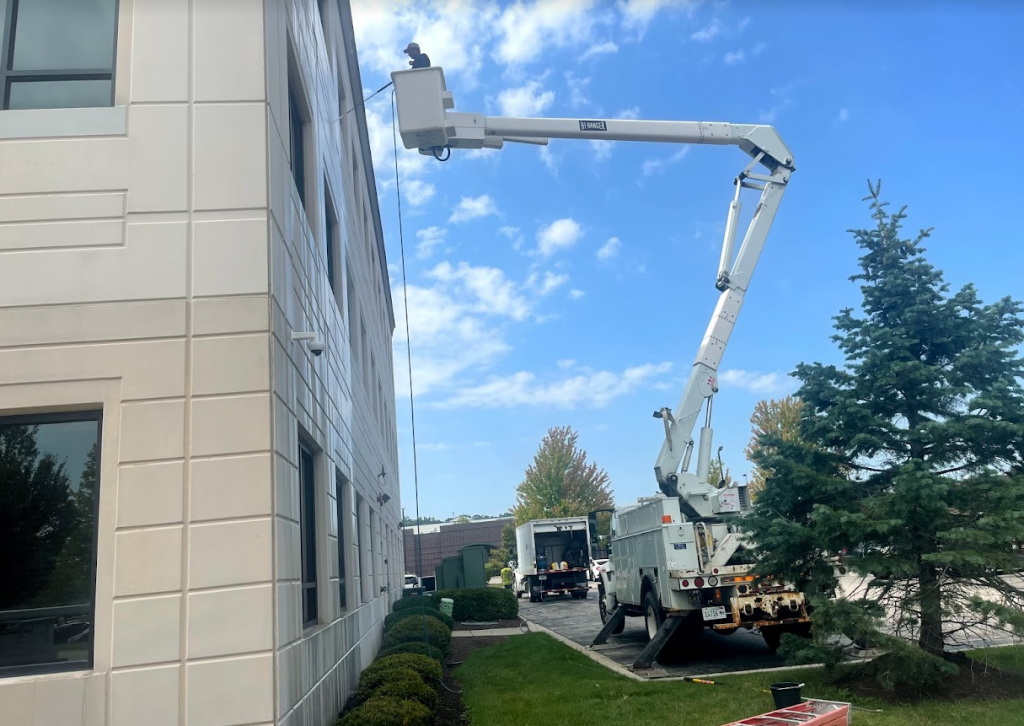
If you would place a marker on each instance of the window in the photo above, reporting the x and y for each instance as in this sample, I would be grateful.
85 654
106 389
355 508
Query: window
307 527
332 240
353 340
363 549
298 120
49 482
57 53
375 392
366 354
341 491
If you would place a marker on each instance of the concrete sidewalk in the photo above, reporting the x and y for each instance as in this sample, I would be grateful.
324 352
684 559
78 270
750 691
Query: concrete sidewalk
487 633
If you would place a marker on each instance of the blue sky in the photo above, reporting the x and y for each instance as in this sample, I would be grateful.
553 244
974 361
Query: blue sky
572 285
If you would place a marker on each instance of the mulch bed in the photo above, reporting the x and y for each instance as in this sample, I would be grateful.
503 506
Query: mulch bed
976 681
451 710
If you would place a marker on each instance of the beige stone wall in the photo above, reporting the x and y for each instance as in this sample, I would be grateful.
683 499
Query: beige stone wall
153 262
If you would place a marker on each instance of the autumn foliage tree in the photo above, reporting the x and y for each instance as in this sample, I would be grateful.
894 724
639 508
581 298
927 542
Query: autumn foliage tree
561 482
775 419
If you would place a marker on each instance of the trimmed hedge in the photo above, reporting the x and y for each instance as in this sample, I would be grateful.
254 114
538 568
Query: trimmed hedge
413 630
394 618
481 603
370 682
410 690
417 648
427 668
388 712
416 601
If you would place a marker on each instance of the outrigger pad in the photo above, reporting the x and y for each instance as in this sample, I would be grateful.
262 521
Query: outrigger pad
647 657
617 617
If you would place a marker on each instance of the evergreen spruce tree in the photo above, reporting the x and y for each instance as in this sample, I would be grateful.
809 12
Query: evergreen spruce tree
910 461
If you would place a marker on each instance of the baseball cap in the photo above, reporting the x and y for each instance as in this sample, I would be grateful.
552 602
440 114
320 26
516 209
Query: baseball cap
411 46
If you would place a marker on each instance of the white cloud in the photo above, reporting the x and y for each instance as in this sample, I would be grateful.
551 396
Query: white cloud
577 88
633 113
589 389
418 192
549 159
528 100
757 382
783 96
843 115
742 25
637 14
653 166
487 288
734 56
576 294
429 240
526 30
473 208
447 338
600 49
547 283
708 33
565 363
559 235
759 48
609 249
602 149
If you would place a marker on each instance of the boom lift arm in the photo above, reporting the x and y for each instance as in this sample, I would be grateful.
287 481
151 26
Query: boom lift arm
426 123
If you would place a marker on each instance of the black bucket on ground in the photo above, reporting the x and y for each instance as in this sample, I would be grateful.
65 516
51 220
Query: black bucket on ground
786 694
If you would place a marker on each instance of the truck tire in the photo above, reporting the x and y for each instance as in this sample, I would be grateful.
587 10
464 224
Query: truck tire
653 616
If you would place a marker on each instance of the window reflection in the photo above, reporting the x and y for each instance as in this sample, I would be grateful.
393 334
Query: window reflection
49 472
59 94
64 35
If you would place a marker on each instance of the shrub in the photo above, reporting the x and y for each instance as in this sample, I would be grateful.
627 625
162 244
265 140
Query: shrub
481 603
427 668
410 690
412 630
417 648
394 618
371 681
388 712
416 601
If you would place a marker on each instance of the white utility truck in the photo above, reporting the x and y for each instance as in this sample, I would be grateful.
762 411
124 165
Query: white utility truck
678 558
552 558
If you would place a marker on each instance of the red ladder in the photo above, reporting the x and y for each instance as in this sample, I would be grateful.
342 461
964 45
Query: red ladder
811 712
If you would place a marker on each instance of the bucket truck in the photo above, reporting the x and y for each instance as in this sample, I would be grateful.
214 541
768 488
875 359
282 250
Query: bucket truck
677 558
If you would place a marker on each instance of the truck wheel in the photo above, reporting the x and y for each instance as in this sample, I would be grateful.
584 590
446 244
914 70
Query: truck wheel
652 614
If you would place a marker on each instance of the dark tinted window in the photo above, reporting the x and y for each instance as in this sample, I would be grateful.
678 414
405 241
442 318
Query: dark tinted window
331 242
342 487
49 477
307 524
57 53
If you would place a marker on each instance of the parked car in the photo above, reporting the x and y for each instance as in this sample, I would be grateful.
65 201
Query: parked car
595 568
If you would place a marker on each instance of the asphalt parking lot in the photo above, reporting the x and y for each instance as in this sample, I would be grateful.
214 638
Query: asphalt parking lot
579 621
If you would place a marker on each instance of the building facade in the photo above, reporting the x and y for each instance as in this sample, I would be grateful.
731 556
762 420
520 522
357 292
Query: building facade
199 496
437 541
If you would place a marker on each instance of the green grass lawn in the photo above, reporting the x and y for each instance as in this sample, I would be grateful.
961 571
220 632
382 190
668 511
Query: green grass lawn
534 679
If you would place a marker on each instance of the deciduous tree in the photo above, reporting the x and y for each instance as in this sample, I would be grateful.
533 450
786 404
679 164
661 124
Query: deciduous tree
778 418
561 482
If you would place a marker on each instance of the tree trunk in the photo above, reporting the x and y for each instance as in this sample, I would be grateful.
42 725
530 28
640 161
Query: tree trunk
930 639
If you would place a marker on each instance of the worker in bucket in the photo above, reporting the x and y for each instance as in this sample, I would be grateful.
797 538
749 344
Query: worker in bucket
419 58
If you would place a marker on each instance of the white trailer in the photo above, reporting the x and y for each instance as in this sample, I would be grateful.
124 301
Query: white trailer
678 558
553 558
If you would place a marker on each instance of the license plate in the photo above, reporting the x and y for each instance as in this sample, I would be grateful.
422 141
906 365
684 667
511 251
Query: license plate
542 577
716 612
